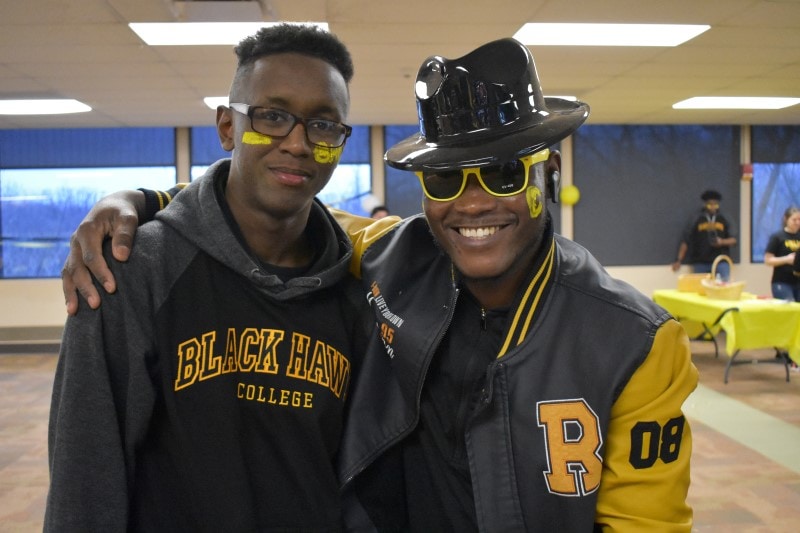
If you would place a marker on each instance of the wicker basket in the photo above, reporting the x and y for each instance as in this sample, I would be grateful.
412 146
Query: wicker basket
692 282
722 290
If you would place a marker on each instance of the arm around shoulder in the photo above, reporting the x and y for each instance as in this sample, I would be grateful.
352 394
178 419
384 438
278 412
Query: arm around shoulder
116 216
155 201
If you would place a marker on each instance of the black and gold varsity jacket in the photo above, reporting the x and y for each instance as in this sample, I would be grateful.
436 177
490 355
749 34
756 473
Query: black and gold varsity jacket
580 424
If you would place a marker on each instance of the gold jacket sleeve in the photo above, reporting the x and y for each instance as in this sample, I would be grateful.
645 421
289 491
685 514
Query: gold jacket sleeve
644 483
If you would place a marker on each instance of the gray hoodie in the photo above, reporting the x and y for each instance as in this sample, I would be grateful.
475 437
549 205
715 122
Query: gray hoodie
207 393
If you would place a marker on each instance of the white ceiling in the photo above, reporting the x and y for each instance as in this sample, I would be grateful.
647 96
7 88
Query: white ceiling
83 49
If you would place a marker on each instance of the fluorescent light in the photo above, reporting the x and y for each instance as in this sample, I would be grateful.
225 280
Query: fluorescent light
201 33
736 102
42 107
568 34
214 101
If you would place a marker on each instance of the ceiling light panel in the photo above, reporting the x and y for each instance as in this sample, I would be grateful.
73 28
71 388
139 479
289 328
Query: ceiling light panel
200 33
580 34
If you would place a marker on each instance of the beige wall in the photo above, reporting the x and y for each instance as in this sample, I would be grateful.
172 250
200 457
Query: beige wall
650 278
31 303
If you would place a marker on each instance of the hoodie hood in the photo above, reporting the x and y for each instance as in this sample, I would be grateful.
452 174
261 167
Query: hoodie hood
198 216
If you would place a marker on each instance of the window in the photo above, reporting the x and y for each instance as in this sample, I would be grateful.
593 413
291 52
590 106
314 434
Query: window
50 178
776 186
641 184
776 181
403 191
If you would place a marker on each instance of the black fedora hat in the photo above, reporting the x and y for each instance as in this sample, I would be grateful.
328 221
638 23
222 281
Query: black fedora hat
483 108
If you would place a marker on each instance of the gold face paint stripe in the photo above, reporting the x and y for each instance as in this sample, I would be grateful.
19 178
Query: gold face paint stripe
325 155
533 195
253 137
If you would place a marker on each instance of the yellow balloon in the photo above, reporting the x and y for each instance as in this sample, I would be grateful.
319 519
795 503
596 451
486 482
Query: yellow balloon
570 195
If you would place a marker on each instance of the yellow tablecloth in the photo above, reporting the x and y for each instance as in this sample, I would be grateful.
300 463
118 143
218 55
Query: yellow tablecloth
749 323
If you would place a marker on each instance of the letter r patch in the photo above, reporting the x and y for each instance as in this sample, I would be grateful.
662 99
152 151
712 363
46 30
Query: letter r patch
572 442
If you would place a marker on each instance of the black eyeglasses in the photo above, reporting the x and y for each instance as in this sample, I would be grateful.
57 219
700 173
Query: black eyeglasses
279 123
507 179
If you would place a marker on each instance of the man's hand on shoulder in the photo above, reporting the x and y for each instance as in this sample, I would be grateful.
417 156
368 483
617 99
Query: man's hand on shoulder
117 216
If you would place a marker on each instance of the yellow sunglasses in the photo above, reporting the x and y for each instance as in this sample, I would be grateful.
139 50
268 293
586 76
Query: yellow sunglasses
506 179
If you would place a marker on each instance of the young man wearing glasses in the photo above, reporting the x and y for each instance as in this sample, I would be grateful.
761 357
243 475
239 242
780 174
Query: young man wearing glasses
514 385
208 392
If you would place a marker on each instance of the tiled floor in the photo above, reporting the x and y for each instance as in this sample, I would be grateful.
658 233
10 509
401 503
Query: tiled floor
25 384
745 467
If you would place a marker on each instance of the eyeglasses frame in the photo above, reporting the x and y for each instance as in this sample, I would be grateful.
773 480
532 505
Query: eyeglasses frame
249 110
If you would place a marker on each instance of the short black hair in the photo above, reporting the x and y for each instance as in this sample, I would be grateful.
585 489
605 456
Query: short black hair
711 194
301 39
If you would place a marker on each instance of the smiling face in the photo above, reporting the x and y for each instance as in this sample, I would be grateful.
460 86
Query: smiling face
279 177
492 240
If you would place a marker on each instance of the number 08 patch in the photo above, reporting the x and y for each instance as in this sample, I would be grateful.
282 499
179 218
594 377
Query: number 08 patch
650 441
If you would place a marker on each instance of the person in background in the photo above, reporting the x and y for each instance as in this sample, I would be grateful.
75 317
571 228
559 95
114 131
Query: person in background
780 254
515 385
378 212
707 235
208 392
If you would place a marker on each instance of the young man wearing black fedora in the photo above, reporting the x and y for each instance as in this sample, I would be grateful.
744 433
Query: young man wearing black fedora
513 385
707 235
